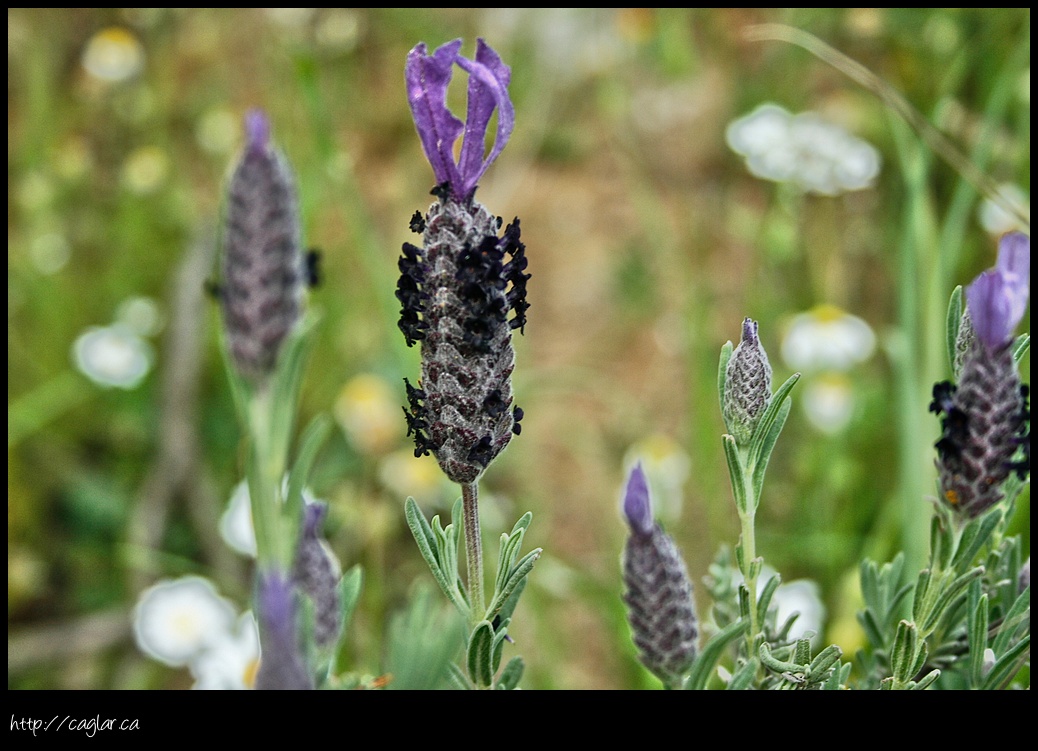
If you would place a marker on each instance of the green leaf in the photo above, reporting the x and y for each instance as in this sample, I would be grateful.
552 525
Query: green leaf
871 628
743 678
517 575
975 536
920 601
760 465
764 599
903 653
707 660
762 432
775 665
310 445
947 597
735 470
722 369
287 378
350 586
1008 665
511 675
510 546
926 680
480 654
977 631
422 642
1020 347
823 662
428 547
954 318
456 676
1018 617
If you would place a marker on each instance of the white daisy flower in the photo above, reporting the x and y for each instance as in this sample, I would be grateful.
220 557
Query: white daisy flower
176 620
236 527
993 216
113 55
827 338
828 402
231 663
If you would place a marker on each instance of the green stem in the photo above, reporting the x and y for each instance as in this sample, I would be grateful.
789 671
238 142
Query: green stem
473 552
265 485
747 518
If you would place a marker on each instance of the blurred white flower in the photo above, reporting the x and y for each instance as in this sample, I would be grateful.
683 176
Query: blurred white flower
236 521
230 663
368 411
995 219
802 596
112 356
828 402
827 338
113 54
175 620
804 149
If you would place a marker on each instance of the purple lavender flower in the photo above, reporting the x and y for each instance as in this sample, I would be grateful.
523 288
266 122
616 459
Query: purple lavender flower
985 417
659 601
282 666
263 267
458 290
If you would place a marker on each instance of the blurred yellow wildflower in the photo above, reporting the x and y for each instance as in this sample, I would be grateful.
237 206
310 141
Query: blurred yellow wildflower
113 54
369 413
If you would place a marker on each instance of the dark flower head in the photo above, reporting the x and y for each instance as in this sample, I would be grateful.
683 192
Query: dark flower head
264 271
427 78
463 292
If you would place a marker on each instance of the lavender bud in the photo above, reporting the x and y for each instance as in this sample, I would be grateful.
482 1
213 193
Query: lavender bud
658 594
263 266
316 572
464 291
747 385
281 663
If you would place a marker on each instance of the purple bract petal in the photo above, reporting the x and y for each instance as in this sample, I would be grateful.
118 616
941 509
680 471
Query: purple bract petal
997 299
257 130
427 78
637 506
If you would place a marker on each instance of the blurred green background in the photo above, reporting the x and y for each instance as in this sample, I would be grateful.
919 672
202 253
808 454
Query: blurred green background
648 239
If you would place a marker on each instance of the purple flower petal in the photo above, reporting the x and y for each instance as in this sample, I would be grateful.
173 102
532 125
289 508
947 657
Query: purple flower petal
488 88
427 78
637 506
257 130
997 299
281 662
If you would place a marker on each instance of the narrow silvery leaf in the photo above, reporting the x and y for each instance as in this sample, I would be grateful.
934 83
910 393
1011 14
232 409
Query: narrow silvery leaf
1008 665
902 656
722 368
953 322
511 675
480 654
736 472
977 630
711 653
926 680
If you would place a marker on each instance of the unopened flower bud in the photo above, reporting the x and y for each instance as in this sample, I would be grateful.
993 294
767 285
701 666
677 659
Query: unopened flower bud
660 607
747 385
282 666
316 572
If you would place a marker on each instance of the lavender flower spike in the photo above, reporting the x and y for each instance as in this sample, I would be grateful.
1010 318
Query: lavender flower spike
263 278
427 78
997 299
659 601
281 663
463 292
985 416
